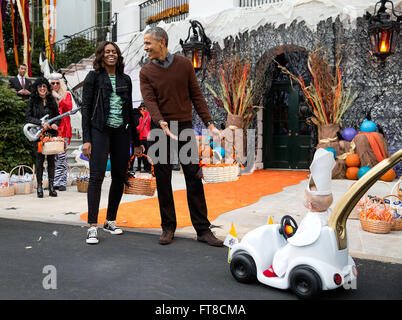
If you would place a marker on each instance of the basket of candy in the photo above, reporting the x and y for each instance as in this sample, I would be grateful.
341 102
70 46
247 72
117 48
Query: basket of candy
216 166
395 206
51 145
83 180
376 217
23 182
6 189
72 176
140 183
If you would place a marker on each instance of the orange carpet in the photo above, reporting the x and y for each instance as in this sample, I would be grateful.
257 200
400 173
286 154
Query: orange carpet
221 198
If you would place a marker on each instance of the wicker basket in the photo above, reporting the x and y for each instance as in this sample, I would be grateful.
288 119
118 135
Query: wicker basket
141 186
397 214
23 187
375 226
223 172
71 178
54 146
9 190
83 180
397 189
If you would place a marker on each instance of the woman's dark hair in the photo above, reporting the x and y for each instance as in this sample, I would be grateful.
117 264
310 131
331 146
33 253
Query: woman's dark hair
38 82
36 98
99 53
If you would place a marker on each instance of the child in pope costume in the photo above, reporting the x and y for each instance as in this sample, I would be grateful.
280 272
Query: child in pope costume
318 199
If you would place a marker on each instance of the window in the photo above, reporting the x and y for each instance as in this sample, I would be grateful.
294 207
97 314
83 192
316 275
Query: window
37 12
103 12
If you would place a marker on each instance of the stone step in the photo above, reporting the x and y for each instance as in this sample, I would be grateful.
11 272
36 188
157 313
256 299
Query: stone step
75 142
87 61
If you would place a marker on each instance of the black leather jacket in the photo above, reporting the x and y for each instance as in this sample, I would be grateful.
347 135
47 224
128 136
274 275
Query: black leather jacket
96 104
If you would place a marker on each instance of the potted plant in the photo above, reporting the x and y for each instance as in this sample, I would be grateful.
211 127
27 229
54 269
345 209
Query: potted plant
235 93
328 99
326 95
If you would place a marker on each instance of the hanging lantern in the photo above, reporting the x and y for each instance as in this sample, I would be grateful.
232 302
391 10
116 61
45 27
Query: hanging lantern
197 47
383 31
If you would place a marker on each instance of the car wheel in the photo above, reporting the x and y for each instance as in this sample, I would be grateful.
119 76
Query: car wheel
305 282
243 268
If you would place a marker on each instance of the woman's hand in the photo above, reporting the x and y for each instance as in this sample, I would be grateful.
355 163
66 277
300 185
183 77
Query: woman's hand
45 126
54 126
86 149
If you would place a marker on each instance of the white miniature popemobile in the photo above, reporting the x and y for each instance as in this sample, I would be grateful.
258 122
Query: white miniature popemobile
315 256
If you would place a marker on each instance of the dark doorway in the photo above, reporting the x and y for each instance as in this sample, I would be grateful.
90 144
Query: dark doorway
287 134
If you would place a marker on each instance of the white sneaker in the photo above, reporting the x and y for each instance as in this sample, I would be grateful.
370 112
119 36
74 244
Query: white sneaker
110 226
92 235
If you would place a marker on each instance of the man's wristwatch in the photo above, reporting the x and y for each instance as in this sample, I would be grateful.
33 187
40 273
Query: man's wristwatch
208 123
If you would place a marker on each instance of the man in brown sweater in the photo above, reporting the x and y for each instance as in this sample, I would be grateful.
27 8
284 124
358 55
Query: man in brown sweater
169 88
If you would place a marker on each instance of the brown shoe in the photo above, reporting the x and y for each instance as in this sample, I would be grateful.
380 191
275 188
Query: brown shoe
210 238
166 237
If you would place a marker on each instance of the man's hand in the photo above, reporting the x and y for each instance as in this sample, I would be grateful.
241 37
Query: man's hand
165 127
45 126
54 126
214 132
86 149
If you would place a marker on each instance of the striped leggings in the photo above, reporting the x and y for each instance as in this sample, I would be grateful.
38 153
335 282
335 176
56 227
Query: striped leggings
60 175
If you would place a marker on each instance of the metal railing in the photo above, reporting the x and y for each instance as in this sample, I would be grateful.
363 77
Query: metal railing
80 45
254 3
153 11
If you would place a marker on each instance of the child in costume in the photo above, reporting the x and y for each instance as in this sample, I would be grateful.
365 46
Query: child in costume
318 199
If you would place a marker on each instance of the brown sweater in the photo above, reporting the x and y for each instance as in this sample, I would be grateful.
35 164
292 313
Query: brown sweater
169 92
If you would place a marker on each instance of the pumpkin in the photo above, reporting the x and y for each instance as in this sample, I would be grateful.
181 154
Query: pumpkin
351 173
352 160
389 176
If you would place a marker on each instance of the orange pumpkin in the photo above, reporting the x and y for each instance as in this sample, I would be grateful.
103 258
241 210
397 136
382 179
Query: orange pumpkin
352 160
351 173
389 176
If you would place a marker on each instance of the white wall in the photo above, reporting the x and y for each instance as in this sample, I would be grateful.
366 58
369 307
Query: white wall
204 8
73 16
128 22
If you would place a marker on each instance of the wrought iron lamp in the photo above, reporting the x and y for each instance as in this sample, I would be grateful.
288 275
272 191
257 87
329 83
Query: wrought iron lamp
384 30
197 47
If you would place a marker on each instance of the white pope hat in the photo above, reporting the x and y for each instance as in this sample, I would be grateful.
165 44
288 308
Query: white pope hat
321 172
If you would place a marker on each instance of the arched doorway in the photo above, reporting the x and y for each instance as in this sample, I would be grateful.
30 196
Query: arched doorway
288 135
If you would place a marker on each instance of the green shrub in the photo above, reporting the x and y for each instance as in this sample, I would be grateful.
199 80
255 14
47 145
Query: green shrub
15 148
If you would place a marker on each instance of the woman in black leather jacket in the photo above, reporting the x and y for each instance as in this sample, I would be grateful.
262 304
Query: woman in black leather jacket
108 127
42 103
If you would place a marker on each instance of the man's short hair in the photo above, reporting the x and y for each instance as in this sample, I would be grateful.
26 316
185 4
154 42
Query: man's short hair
158 33
22 64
